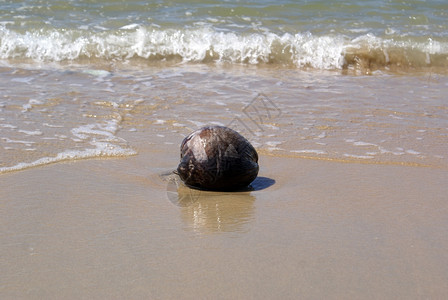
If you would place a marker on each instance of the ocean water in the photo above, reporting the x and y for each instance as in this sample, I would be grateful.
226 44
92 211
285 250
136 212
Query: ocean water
304 34
337 80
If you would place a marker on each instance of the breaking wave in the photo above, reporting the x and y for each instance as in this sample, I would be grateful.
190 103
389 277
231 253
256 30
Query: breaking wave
205 45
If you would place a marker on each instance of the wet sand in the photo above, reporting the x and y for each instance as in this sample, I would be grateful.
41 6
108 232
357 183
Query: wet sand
313 229
350 203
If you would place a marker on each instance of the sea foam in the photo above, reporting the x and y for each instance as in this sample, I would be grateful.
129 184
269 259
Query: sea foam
207 44
101 150
99 140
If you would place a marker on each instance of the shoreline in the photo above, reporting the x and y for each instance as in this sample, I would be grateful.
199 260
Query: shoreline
376 119
346 210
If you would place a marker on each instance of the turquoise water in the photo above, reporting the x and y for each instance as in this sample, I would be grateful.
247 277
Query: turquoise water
325 35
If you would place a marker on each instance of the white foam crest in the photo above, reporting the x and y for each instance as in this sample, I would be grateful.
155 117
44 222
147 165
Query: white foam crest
429 46
41 46
372 42
318 52
194 45
253 49
201 45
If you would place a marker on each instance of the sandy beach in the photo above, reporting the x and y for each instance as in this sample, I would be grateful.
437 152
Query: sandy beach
345 103
110 229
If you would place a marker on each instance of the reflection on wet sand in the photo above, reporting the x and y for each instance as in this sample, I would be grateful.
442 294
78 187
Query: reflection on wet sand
207 212
218 212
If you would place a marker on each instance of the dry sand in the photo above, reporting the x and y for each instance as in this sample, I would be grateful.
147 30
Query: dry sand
112 229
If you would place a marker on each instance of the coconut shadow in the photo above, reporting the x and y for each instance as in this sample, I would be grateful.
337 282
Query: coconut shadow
259 183
182 195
